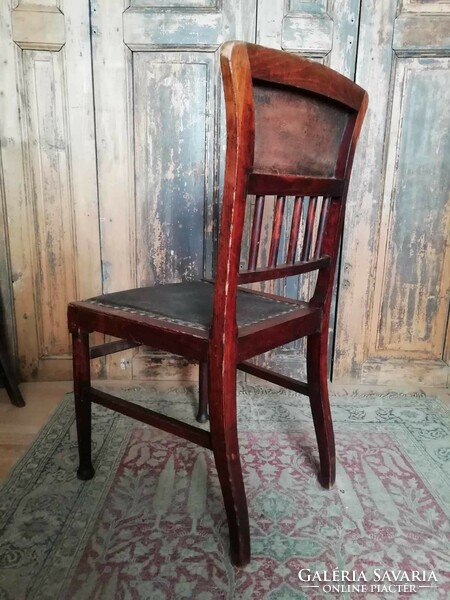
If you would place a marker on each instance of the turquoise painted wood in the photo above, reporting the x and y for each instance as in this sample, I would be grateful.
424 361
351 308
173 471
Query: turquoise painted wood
327 34
159 138
49 226
160 128
395 278
414 288
174 160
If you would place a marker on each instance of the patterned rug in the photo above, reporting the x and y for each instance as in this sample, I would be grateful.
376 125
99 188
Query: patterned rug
151 524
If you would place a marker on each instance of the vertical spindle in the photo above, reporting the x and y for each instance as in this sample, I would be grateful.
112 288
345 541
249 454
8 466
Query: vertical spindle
322 224
309 228
256 232
295 227
276 230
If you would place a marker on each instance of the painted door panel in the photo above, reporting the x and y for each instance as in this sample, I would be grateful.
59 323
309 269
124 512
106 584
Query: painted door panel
48 176
135 199
160 144
326 32
395 279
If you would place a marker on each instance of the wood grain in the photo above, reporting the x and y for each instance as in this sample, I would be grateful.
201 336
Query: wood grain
50 181
165 227
20 426
38 27
395 320
411 293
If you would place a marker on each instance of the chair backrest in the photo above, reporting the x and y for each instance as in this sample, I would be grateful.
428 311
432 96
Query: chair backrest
292 128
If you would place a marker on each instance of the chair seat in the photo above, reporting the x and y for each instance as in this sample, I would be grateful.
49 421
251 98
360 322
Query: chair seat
191 304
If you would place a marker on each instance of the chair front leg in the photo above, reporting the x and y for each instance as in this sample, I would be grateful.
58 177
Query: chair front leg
202 414
317 345
223 427
82 386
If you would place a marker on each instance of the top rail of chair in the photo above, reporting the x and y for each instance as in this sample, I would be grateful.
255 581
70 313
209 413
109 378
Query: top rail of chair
283 68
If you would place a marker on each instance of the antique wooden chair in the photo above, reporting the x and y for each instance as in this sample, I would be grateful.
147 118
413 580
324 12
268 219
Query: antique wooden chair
292 128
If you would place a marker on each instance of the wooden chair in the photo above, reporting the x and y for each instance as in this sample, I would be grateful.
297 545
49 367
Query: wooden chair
292 128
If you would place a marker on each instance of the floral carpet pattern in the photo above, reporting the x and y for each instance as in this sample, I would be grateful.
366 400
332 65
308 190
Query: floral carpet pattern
151 524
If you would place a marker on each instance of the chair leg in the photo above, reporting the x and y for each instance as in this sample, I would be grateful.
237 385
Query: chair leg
202 414
82 385
9 380
320 405
223 427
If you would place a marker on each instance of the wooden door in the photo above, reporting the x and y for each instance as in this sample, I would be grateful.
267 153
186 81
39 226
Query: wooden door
319 29
48 191
160 144
394 288
135 199
327 32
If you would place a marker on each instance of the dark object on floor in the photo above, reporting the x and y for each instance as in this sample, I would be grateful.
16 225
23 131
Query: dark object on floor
292 127
8 379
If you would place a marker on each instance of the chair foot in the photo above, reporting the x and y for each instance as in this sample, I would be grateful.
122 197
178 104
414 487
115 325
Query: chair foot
222 404
233 491
202 414
85 472
320 407
326 480
240 558
82 386
201 417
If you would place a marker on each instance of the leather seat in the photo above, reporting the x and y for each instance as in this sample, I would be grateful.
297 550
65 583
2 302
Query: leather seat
191 304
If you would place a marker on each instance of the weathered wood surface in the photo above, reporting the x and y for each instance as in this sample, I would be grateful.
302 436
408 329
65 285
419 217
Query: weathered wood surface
38 28
393 323
48 155
314 33
50 213
311 29
411 303
417 34
14 187
176 3
160 141
149 30
112 73
174 114
50 196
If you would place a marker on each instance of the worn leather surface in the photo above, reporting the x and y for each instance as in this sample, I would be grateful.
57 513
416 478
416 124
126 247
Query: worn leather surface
192 302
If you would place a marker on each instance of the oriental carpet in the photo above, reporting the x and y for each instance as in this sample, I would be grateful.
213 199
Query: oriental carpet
151 524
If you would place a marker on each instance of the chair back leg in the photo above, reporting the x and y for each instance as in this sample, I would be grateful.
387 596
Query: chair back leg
224 437
316 361
82 387
202 414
